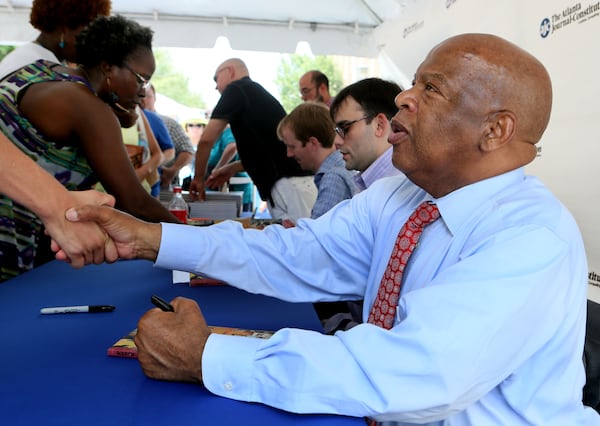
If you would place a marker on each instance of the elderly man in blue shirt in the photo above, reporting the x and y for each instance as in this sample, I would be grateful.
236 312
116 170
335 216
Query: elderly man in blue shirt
489 323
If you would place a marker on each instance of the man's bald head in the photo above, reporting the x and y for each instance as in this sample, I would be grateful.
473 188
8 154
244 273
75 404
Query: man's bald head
230 70
239 67
515 80
478 106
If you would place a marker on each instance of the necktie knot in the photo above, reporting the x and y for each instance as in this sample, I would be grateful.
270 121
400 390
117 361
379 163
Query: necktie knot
425 214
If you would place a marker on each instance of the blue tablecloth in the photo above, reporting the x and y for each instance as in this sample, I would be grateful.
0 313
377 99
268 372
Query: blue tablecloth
54 369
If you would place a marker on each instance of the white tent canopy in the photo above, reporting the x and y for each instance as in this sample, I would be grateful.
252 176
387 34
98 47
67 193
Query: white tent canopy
343 27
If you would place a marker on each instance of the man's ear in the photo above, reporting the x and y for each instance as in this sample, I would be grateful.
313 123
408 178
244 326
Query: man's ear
381 124
500 129
322 89
313 142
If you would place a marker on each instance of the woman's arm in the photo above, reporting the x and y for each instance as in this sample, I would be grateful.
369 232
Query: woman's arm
70 114
148 170
228 153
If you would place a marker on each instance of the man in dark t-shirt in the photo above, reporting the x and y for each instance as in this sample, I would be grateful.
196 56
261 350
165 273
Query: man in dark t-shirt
253 114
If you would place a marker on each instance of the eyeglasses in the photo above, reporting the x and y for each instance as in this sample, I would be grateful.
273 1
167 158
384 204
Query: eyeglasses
141 81
306 90
342 127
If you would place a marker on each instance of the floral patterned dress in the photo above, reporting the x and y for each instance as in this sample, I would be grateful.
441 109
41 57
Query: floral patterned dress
21 231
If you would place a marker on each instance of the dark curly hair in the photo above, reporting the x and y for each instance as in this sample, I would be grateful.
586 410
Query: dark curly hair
48 15
111 39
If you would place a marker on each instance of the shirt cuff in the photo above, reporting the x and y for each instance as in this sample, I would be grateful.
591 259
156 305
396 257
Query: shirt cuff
227 365
171 253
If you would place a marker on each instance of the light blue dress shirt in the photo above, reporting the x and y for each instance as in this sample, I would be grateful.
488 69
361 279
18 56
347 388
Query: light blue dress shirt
334 183
490 324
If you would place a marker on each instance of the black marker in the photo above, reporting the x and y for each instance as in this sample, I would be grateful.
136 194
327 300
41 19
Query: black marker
74 309
162 304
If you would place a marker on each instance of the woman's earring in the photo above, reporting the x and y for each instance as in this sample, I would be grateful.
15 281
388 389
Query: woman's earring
61 44
112 96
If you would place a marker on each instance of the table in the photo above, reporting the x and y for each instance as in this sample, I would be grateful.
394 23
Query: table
54 369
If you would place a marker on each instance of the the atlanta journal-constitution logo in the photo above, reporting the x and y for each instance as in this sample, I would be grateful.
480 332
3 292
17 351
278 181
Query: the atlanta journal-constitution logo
593 279
573 14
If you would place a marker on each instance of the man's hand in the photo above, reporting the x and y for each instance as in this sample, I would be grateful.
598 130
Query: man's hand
287 223
219 177
170 344
131 237
166 176
80 243
197 190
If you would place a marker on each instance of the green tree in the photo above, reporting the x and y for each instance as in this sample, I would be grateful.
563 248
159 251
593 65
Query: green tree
5 50
174 84
291 68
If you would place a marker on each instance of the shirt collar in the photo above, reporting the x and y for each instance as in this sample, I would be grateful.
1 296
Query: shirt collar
327 164
457 206
381 167
330 161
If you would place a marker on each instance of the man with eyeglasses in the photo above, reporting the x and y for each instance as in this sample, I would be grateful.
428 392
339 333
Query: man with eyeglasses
362 112
314 86
253 114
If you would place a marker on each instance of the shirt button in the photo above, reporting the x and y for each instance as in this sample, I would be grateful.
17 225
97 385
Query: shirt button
228 386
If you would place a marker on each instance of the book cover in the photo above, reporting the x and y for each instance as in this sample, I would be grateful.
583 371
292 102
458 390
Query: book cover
199 279
125 346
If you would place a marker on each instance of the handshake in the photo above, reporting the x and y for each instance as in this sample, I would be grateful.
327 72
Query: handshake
104 234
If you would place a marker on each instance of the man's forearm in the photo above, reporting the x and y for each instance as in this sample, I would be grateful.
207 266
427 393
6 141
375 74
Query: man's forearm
168 155
182 160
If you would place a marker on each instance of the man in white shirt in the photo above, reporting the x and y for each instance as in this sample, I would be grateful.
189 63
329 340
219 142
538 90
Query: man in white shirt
489 325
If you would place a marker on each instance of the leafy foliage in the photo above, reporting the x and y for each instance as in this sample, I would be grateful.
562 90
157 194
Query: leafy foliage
174 84
5 50
292 67
168 82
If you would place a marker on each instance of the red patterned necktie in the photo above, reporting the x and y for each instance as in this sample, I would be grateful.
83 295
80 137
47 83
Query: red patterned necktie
383 310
